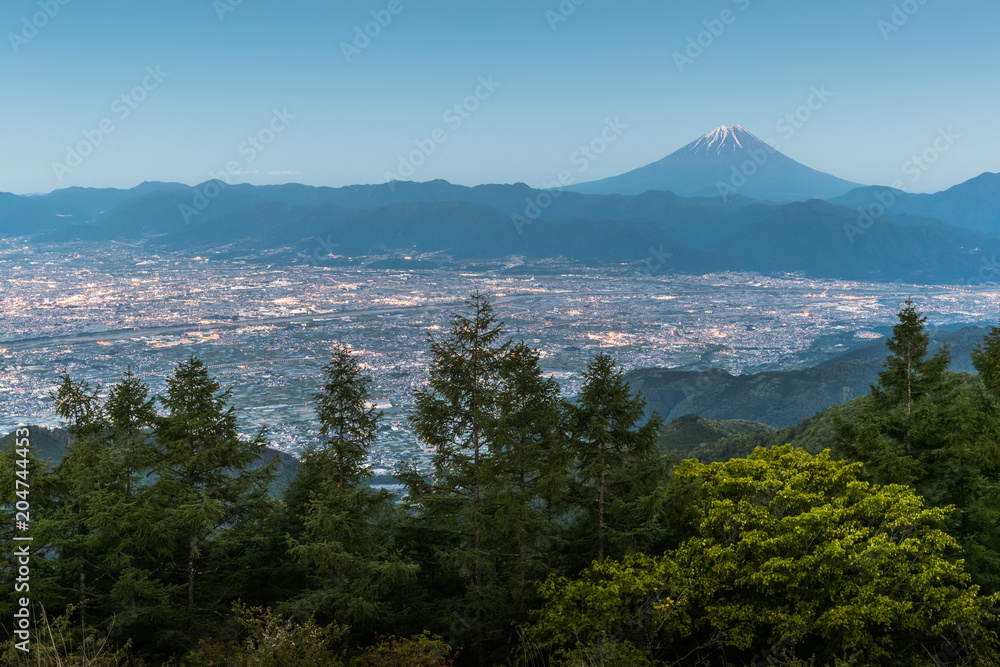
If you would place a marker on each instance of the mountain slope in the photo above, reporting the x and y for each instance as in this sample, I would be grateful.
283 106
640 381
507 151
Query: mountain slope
780 398
51 443
974 204
726 161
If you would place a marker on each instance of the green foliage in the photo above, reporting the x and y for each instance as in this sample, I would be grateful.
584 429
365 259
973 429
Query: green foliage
423 650
347 420
788 550
271 641
693 437
338 528
527 477
986 361
939 432
488 523
897 431
151 524
617 463
456 414
204 473
55 644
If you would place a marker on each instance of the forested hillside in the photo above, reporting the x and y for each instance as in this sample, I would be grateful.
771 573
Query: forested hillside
548 531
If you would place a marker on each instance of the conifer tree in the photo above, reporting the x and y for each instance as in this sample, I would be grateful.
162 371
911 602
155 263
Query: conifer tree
129 515
897 433
28 478
909 376
980 513
456 414
528 476
205 475
344 536
348 423
131 414
79 406
618 466
78 477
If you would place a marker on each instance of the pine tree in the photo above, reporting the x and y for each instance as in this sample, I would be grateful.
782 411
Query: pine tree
986 361
979 529
618 465
79 406
128 514
528 476
205 474
30 479
909 375
79 475
342 527
347 423
456 415
897 432
131 414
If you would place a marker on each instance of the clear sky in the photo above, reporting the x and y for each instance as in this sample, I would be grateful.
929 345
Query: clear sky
199 77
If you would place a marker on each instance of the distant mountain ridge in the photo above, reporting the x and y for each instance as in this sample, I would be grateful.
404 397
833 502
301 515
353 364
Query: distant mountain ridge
50 444
974 204
781 398
727 161
653 232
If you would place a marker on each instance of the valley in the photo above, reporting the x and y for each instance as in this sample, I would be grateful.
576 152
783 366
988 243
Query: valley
93 310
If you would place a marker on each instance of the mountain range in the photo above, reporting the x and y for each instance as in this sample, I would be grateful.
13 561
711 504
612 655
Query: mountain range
864 233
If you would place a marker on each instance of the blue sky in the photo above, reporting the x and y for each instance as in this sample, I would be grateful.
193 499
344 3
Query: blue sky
201 77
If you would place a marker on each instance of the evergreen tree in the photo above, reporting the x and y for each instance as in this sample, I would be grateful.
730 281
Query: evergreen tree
128 515
456 415
897 433
528 476
909 375
205 476
78 477
28 478
79 406
979 529
347 423
618 465
131 414
345 536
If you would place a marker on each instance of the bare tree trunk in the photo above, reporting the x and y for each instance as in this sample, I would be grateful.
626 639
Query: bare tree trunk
600 512
191 549
83 608
909 398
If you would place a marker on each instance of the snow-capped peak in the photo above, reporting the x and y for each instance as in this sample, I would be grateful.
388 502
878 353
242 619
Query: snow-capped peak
731 137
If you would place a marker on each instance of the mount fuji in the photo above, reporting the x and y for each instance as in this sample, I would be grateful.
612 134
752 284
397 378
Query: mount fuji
727 161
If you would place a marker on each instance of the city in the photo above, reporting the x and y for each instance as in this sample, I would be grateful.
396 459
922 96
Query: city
94 310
